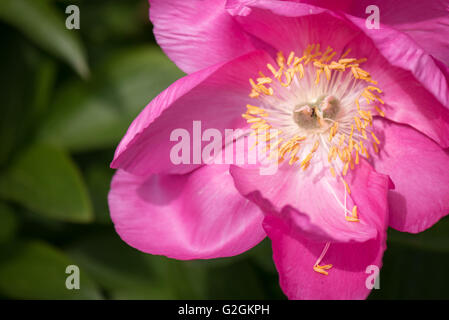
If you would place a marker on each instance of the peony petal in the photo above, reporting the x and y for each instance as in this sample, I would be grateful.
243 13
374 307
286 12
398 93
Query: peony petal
400 51
406 99
193 216
419 170
416 89
312 202
197 34
216 96
292 26
426 22
354 265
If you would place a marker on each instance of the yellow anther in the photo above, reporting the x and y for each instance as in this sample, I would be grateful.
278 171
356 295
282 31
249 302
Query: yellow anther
307 158
346 53
354 212
379 111
322 269
354 73
296 61
327 71
293 153
375 138
345 169
346 61
300 69
254 94
255 109
288 78
318 72
357 104
272 69
354 217
329 58
337 66
379 99
332 152
280 59
290 58
252 120
332 170
372 88
328 51
264 80
305 165
346 186
253 84
364 134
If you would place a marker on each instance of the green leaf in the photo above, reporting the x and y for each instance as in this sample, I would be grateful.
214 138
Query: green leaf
19 75
97 114
98 179
411 273
45 26
123 271
115 17
8 223
36 270
435 238
262 254
237 281
45 180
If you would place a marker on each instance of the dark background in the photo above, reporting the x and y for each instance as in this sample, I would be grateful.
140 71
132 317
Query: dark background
67 97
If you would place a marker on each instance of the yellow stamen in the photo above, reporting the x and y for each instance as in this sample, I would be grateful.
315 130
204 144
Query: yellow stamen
322 269
375 138
354 217
379 111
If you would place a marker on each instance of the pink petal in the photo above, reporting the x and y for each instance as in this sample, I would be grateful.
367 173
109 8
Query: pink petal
193 216
423 73
197 34
347 279
406 99
311 202
419 170
426 22
289 26
216 96
416 89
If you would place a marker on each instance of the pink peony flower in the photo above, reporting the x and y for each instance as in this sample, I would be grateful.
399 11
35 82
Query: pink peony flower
358 121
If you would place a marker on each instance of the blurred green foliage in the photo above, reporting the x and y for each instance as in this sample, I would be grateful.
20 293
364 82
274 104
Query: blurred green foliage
67 97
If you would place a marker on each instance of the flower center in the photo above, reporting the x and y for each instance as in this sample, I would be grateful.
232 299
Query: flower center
317 109
315 114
